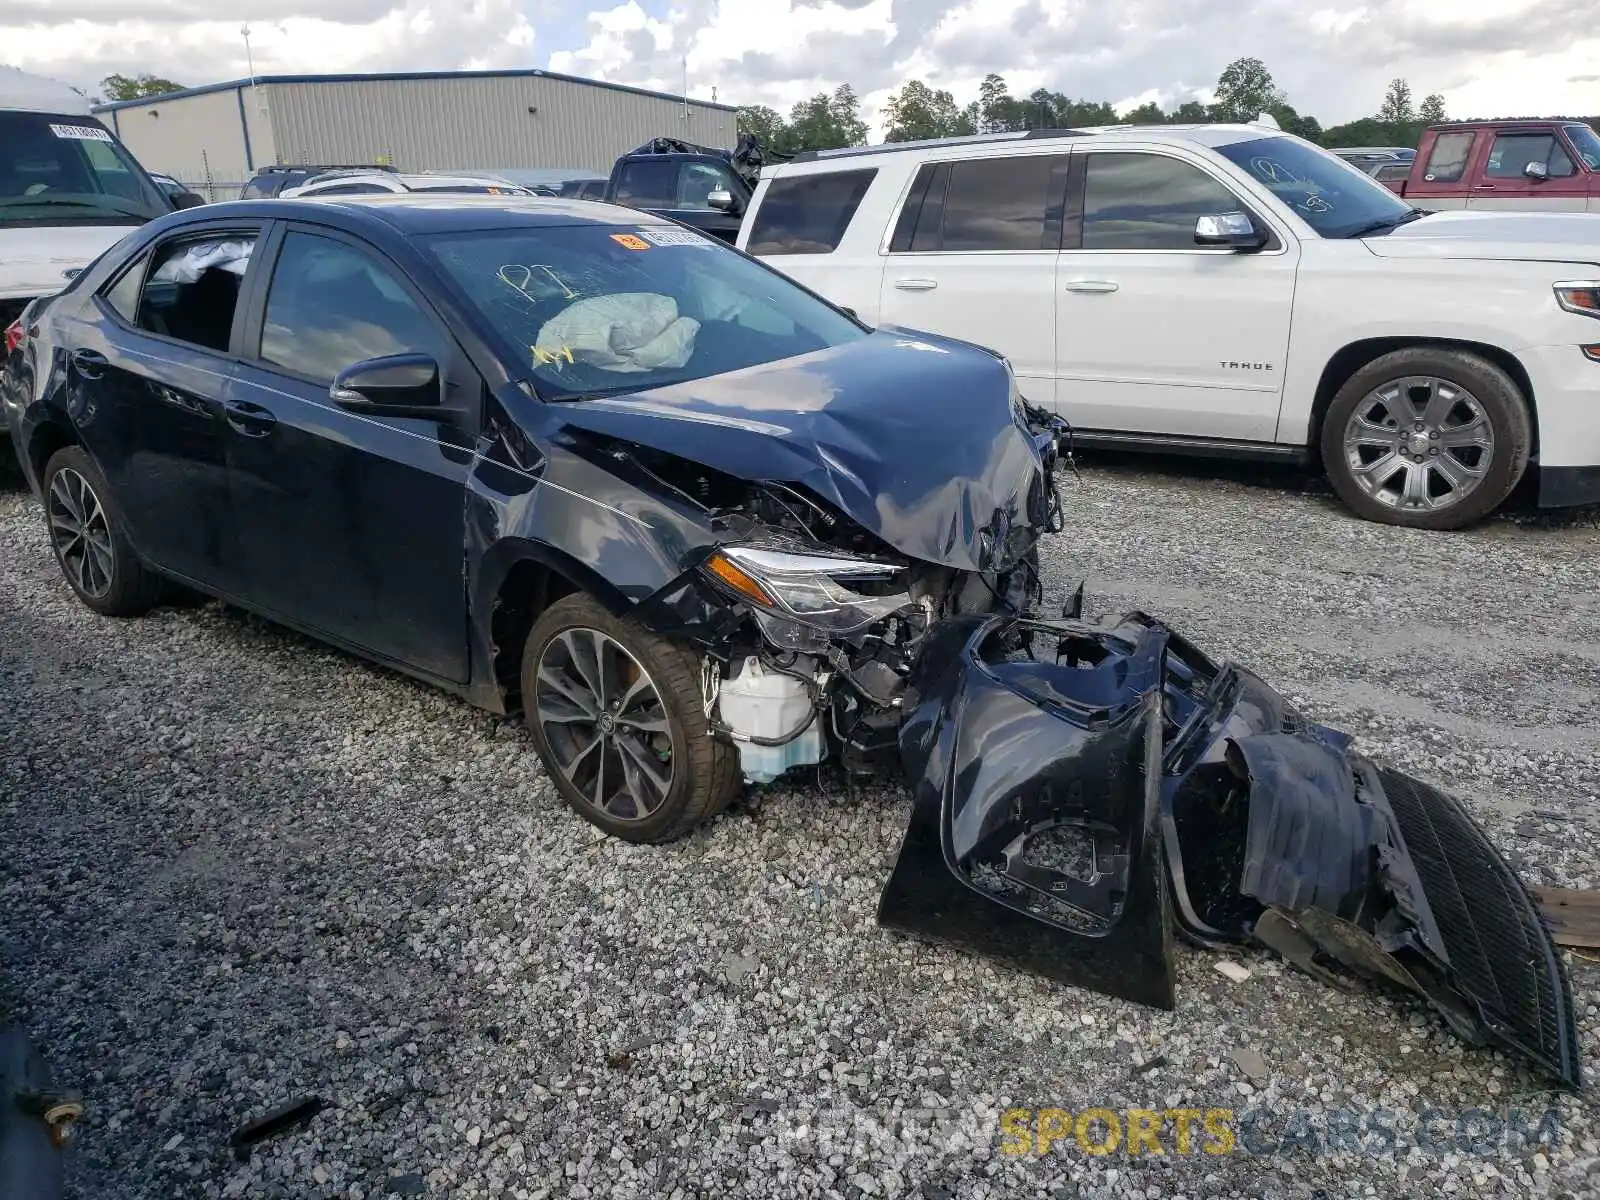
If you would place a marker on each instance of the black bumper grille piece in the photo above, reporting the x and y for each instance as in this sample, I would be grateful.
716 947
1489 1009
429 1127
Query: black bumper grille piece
1502 957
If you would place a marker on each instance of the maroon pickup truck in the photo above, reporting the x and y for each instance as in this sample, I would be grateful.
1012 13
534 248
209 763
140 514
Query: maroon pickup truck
1552 166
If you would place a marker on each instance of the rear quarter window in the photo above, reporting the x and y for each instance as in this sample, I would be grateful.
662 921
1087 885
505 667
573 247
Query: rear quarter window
808 214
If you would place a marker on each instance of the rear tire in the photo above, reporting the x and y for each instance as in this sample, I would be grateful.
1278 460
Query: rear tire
1427 438
89 541
617 717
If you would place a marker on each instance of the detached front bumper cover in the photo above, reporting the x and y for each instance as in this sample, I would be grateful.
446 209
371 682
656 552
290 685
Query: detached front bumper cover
1079 787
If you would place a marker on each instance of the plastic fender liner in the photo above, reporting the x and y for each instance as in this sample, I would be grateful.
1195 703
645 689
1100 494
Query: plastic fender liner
1033 834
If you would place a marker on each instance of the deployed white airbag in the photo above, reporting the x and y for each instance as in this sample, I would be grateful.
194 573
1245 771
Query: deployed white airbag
630 331
195 259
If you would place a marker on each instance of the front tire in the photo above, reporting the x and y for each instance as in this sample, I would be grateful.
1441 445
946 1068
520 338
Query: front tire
89 541
617 717
1427 438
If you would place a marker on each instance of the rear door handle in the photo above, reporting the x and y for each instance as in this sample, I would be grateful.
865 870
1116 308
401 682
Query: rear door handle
1091 285
90 363
249 419
1483 187
916 285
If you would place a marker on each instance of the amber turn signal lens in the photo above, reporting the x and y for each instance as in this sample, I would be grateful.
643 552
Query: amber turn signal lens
742 583
1592 353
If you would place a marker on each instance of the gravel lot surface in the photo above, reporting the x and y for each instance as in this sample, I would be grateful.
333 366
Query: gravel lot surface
239 869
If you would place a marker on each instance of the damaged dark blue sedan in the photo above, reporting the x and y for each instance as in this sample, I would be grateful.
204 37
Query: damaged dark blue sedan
701 527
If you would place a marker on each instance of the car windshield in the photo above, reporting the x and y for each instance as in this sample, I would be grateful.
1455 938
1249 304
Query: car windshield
1327 193
1587 143
69 170
591 309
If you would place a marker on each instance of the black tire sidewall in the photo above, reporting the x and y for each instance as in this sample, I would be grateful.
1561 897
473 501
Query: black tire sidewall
1503 404
127 594
583 612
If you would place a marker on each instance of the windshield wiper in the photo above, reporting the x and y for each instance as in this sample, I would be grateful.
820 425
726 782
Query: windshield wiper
60 202
1387 223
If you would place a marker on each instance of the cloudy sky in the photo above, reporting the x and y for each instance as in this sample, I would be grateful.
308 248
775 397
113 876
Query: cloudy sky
1488 57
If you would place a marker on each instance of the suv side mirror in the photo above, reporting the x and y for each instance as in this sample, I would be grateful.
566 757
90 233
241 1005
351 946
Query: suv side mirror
398 385
1232 229
1537 171
188 200
722 200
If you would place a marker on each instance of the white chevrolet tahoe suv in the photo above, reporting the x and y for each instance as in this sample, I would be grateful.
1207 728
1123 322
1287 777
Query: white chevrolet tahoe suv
1226 290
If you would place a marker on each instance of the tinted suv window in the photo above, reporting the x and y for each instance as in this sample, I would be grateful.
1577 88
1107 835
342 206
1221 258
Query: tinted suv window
648 183
332 305
1512 152
807 214
1147 202
1001 203
696 182
1447 162
193 289
69 170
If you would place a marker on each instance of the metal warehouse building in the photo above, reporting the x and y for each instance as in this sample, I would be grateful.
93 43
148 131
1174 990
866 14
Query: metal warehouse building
213 138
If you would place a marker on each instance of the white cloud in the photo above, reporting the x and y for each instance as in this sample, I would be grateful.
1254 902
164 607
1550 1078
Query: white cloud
1333 57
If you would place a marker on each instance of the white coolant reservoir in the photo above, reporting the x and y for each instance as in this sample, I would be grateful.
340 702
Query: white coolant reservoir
769 706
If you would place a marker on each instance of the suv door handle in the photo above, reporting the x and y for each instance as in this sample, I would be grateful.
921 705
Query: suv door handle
1483 187
1091 285
916 285
251 420
90 363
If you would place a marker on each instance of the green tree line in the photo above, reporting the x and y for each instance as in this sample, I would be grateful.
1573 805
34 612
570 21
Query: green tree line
1244 91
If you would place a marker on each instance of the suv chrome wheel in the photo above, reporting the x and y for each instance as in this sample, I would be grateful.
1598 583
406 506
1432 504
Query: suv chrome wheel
604 721
81 533
1419 443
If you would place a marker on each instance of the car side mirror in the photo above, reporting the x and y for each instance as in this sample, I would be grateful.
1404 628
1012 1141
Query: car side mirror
1233 229
397 385
188 200
722 200
1537 171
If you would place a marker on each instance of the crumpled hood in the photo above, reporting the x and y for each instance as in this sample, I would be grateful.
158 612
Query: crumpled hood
35 259
916 438
1501 236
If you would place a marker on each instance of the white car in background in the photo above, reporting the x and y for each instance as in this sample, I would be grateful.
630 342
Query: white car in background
373 183
1226 290
68 189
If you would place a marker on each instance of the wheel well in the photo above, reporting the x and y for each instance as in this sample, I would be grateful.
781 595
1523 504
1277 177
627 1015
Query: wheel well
528 589
46 440
1358 354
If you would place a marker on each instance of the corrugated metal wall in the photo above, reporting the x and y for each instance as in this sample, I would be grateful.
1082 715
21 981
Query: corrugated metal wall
482 123
194 139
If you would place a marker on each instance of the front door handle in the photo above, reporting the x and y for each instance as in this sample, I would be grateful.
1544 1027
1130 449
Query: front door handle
90 363
1092 285
1483 187
249 419
916 285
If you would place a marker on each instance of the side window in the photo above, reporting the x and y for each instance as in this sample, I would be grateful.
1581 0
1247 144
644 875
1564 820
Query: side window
332 305
191 292
1147 202
696 181
123 296
1512 152
1002 203
807 214
648 183
1447 162
348 189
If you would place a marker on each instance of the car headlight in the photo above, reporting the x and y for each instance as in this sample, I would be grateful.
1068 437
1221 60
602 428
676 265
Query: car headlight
812 590
1581 297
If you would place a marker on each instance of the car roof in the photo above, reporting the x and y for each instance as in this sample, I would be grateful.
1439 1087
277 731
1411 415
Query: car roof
22 92
1204 135
422 213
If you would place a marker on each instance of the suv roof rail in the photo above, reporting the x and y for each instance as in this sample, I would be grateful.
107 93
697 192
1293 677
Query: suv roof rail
978 139
324 168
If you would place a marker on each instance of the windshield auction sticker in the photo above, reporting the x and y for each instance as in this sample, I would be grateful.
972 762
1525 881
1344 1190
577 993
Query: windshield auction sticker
629 242
672 237
81 133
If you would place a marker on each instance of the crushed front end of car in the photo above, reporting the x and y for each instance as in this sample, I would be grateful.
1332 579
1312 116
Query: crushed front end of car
1079 787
